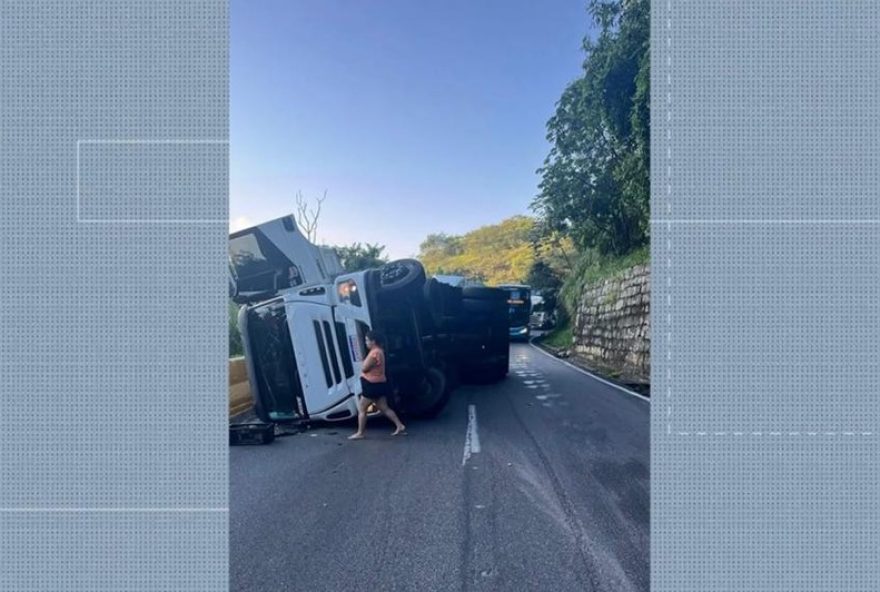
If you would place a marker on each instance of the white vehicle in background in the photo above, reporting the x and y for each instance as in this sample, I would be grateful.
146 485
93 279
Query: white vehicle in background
303 325
542 317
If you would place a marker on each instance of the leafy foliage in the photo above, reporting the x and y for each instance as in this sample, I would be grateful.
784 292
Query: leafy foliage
541 277
553 247
595 183
500 253
495 254
561 336
593 267
358 257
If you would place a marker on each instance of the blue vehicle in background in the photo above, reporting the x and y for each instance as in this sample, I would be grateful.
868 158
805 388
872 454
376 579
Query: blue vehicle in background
519 303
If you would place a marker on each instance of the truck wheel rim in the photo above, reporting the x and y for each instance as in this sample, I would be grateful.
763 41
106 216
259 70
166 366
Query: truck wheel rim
393 273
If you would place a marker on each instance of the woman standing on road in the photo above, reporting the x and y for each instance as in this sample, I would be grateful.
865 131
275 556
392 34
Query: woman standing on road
374 387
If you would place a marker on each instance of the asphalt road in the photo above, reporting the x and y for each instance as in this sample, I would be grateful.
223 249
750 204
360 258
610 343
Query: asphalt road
557 498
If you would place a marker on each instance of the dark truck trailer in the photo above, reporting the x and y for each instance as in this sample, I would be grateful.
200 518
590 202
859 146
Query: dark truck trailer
481 331
462 332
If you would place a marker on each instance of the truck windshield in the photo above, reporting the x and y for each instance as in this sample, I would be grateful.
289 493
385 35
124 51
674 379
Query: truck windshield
274 362
519 305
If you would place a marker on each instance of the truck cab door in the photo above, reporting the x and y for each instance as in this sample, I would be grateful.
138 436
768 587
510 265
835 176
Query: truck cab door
323 361
352 313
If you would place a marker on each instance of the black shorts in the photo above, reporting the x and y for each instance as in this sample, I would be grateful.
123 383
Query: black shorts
373 390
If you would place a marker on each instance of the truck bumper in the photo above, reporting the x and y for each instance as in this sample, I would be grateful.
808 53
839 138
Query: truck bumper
346 409
519 333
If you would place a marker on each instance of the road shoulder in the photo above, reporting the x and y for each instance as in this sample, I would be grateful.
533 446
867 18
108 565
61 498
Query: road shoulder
641 390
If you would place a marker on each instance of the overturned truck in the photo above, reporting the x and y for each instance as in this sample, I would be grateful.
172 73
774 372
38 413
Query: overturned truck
303 324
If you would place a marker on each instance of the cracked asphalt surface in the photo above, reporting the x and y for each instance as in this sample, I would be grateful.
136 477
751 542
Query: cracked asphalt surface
556 499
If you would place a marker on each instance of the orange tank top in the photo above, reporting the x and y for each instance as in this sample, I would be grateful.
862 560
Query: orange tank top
377 373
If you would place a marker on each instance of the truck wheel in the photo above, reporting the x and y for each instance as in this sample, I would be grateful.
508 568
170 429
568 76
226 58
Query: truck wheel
433 301
401 274
430 397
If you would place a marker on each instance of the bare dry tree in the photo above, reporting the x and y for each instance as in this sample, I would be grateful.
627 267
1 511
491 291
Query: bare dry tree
307 217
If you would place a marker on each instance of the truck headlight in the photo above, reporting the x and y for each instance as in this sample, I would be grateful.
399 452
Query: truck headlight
348 292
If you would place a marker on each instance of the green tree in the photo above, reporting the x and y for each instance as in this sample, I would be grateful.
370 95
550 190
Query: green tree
594 182
358 257
441 244
553 247
542 278
437 250
495 254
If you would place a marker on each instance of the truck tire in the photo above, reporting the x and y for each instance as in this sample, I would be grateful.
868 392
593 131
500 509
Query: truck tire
433 300
442 303
430 398
401 274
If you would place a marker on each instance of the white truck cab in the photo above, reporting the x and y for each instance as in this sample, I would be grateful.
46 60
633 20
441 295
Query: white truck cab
305 350
303 325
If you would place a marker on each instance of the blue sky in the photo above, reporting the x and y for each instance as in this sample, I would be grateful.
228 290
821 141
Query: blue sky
416 117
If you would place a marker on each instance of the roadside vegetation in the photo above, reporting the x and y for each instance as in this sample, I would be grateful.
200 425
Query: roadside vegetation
592 268
595 186
591 213
560 337
501 253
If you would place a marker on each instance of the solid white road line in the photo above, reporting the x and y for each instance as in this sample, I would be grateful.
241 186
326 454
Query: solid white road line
591 375
472 436
475 435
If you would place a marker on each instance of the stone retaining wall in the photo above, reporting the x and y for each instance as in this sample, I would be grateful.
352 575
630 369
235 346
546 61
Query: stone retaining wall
612 325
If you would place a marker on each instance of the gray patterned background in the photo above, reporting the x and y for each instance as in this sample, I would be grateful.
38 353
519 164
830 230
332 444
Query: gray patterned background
113 202
113 208
765 255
